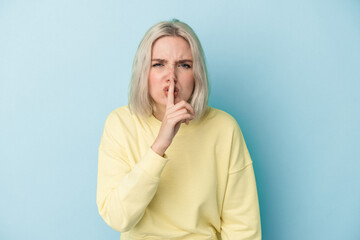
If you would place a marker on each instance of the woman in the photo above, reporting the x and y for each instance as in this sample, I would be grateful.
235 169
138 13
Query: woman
170 166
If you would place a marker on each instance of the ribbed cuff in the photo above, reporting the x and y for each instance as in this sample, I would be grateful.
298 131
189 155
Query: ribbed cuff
152 163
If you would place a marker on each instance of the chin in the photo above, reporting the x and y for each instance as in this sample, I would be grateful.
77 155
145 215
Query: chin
177 100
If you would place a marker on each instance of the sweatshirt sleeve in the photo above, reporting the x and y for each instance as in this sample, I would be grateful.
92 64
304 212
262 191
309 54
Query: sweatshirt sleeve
124 190
240 217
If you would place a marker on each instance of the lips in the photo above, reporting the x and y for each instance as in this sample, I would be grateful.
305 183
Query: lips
166 89
176 91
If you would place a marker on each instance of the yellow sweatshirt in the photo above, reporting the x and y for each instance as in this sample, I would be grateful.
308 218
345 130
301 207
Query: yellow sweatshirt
203 188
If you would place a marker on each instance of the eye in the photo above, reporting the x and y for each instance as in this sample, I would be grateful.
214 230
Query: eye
185 65
157 65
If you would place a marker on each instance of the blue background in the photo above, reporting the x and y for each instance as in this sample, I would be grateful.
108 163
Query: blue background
288 71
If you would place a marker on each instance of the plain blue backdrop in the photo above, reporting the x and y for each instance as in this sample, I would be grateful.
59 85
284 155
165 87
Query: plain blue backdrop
288 71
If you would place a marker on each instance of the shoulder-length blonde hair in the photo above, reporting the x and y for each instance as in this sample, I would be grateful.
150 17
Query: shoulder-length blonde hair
140 101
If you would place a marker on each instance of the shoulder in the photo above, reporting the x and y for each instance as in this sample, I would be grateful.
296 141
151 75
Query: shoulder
120 116
222 123
220 118
122 113
120 124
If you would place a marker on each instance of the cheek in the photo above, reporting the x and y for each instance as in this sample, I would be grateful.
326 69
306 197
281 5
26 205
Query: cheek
153 82
190 83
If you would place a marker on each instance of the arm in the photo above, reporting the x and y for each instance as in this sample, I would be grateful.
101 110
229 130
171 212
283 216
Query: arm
124 191
240 218
240 215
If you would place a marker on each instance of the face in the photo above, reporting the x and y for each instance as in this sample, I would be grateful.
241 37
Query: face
171 60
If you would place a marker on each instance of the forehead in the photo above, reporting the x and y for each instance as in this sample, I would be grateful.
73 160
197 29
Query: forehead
169 46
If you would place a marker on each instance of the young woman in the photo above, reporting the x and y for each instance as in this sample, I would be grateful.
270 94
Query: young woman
170 166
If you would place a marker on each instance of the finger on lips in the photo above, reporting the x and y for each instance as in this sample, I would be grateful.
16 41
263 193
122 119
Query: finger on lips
170 99
179 106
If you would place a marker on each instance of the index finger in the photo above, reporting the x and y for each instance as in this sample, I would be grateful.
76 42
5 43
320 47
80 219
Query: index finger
170 99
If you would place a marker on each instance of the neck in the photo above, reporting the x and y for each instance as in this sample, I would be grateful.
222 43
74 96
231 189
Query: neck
159 113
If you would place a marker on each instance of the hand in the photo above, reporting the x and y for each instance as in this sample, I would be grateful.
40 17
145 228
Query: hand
175 114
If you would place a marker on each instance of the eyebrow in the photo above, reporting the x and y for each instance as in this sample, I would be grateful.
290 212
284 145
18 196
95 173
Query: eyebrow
163 60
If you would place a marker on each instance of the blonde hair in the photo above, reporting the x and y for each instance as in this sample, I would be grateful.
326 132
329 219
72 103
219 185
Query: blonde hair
140 101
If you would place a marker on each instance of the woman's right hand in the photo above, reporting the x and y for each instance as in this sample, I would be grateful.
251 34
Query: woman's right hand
175 114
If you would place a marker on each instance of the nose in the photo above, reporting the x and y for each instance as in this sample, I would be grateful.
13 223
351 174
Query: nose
172 76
